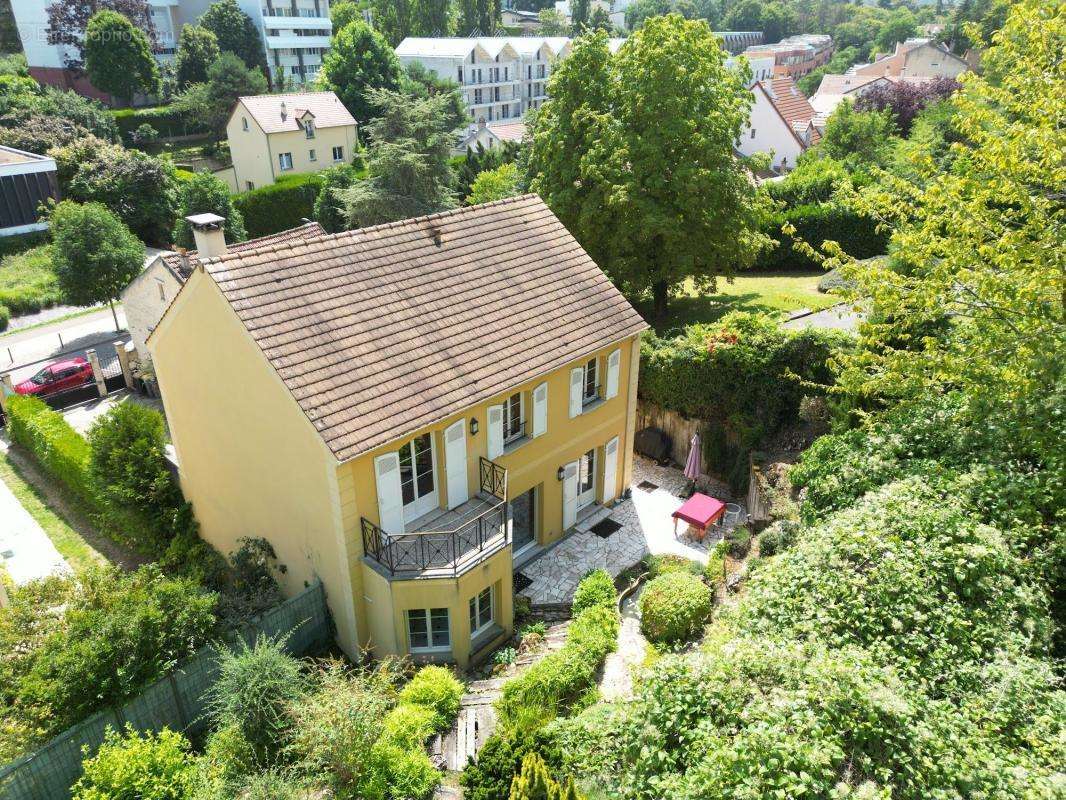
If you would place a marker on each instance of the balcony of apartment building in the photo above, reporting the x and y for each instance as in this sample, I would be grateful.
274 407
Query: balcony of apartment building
445 544
297 28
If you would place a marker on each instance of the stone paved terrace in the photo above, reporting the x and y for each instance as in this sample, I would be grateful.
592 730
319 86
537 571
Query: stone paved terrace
647 527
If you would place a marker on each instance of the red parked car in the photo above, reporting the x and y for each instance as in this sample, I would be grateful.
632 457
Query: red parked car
57 377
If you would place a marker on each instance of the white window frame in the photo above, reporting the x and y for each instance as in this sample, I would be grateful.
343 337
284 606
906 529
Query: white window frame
309 129
338 152
282 157
311 155
586 398
475 608
427 616
244 123
509 436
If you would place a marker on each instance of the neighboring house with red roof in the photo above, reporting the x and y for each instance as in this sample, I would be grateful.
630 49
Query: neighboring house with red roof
834 89
781 123
915 58
490 136
150 293
271 135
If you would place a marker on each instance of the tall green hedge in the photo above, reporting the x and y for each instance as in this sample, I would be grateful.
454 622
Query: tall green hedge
815 224
56 446
741 375
280 206
166 120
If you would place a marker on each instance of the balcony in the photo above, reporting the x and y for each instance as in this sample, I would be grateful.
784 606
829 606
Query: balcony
445 544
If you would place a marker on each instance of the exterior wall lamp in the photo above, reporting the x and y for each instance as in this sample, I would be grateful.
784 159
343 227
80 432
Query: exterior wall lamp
561 473
473 426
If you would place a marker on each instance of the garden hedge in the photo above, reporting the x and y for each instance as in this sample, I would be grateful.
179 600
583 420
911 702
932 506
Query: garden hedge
741 375
815 224
166 120
280 206
60 450
674 607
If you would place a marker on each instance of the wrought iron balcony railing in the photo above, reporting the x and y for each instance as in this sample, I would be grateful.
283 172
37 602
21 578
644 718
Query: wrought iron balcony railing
447 552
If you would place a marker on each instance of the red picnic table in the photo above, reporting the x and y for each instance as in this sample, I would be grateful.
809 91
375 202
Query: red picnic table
699 511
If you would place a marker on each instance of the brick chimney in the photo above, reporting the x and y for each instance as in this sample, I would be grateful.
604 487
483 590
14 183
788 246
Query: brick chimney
208 234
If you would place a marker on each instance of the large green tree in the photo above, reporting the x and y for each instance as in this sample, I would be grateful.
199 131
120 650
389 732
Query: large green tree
635 154
983 245
859 138
358 62
197 51
118 57
478 17
95 256
228 78
236 33
68 20
407 161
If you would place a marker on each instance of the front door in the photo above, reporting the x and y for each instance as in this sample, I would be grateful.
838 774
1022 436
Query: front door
418 483
523 527
455 463
586 480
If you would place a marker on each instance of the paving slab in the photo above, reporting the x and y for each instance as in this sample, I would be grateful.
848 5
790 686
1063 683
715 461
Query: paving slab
26 552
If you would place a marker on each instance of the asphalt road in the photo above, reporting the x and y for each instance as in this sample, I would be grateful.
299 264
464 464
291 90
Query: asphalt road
24 353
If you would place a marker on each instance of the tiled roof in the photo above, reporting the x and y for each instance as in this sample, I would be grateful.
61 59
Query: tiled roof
791 103
381 331
509 131
182 268
327 108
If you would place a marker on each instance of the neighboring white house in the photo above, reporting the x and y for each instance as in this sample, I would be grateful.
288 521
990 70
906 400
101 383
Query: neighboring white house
914 58
151 292
295 36
26 181
781 123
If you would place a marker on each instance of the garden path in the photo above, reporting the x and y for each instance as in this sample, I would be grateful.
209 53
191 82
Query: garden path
26 552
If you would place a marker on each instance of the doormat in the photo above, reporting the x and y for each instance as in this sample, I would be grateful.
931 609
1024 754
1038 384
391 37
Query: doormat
521 582
605 528
647 486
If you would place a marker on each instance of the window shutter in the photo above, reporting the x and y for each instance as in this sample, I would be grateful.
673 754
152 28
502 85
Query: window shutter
570 495
540 410
495 432
577 385
610 470
613 362
390 495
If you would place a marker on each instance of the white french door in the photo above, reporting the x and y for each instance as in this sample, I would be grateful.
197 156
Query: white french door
455 463
418 479
586 479
570 494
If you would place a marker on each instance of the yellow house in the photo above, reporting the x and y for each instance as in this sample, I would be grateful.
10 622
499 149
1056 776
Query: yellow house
271 135
404 411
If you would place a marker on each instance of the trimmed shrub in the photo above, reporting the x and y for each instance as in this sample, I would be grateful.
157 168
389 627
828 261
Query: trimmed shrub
595 590
55 445
660 565
408 774
857 235
135 767
436 688
280 206
674 607
779 536
5 317
739 541
408 725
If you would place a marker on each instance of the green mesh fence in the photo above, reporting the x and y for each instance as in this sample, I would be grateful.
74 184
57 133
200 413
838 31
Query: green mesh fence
175 701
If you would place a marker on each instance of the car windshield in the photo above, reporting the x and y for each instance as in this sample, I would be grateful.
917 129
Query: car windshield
44 376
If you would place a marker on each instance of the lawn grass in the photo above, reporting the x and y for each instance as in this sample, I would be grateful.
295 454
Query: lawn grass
767 292
67 541
28 282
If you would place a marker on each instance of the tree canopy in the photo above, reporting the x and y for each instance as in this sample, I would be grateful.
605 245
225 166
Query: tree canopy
358 62
204 193
95 256
236 33
228 79
495 184
68 20
407 161
118 57
634 153
197 50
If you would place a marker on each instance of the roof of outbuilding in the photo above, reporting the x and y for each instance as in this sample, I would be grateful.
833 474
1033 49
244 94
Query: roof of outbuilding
328 110
380 331
182 268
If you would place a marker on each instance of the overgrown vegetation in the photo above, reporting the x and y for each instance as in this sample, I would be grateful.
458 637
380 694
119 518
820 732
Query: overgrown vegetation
28 281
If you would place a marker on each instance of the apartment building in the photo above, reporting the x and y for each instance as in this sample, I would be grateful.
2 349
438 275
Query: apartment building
295 36
795 56
407 412
914 58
